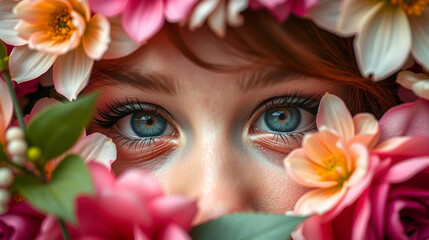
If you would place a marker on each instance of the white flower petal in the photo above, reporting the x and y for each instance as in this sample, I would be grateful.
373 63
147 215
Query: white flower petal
355 13
217 20
407 78
359 153
335 115
319 201
96 38
96 147
421 89
8 21
233 12
25 64
384 44
420 33
326 15
201 12
121 44
71 73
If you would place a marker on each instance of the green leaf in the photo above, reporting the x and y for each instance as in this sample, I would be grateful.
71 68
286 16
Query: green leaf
57 128
3 156
70 178
3 58
248 226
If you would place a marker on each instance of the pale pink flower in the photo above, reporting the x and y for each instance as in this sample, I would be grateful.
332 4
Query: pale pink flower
408 119
387 32
58 33
133 206
281 9
219 14
335 160
6 110
142 19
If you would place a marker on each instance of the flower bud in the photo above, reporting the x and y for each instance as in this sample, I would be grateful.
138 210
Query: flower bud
34 154
17 147
6 177
19 159
14 133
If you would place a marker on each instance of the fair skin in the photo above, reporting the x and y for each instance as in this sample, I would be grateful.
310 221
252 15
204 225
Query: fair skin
214 137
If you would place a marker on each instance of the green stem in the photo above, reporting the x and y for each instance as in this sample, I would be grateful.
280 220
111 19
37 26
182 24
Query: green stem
18 112
66 235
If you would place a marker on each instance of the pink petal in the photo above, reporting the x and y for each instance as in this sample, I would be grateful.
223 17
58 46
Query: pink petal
172 231
108 8
359 153
321 145
304 171
175 209
25 64
143 18
403 147
334 114
407 119
407 169
366 129
6 110
319 201
178 10
140 183
96 148
39 106
139 234
71 73
271 4
281 12
121 44
101 176
96 39
360 223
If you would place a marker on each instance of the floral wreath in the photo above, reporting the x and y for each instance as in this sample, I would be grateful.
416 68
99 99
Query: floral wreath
368 177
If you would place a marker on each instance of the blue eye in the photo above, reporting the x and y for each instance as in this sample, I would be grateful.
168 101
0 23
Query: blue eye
285 120
282 119
147 124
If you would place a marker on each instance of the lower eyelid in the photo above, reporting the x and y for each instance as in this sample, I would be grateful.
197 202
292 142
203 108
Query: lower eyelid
280 143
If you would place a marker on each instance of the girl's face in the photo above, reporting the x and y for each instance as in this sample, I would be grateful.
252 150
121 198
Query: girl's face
217 137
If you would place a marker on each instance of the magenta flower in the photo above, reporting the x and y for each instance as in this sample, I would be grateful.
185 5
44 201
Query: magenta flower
142 19
281 9
21 222
132 206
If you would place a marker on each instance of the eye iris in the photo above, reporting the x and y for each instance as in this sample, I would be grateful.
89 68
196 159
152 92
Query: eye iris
282 119
148 124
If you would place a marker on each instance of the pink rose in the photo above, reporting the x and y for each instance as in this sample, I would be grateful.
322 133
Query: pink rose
20 222
396 205
130 207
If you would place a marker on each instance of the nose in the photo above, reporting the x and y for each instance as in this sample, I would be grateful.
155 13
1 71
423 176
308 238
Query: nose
215 174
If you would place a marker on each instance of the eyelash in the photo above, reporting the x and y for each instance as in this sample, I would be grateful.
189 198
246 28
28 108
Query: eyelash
116 110
300 100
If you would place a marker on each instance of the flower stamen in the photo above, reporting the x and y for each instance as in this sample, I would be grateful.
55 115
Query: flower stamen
60 25
411 7
335 168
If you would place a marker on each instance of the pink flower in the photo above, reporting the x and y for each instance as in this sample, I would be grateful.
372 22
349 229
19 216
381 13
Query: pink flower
133 206
20 223
408 119
6 110
281 9
334 161
142 19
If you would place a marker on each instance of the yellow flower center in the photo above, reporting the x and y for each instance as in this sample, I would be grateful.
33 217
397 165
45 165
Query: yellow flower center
60 25
411 7
335 168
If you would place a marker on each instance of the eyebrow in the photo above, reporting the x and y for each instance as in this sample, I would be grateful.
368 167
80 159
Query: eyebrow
145 81
265 78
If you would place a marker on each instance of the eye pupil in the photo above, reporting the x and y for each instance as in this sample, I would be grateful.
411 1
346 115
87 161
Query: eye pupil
282 119
146 124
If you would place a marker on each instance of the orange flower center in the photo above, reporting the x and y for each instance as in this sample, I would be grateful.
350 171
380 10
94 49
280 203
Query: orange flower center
335 168
60 25
411 7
